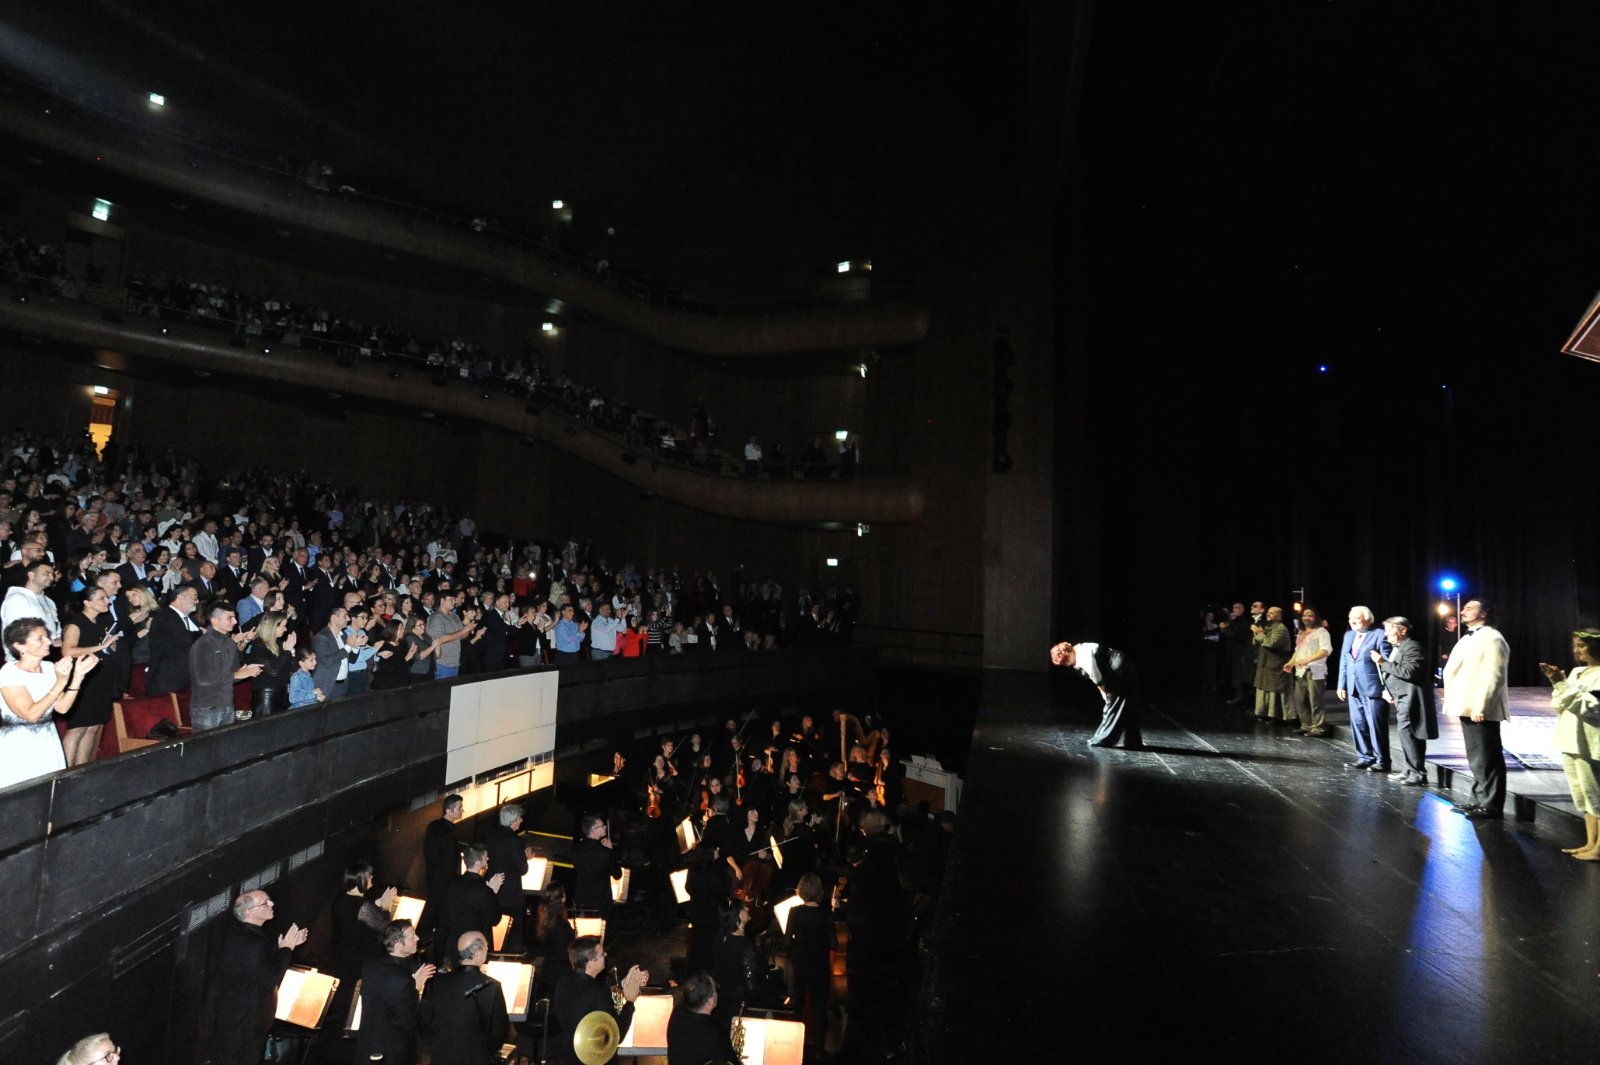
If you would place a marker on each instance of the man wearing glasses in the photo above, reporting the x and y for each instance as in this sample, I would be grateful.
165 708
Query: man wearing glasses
244 981
97 1049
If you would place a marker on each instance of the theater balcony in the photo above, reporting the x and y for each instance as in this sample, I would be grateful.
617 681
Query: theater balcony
152 159
108 334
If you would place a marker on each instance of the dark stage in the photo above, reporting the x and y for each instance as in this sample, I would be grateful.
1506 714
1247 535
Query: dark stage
1235 895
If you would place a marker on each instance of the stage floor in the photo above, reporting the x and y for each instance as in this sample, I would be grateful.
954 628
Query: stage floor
1237 894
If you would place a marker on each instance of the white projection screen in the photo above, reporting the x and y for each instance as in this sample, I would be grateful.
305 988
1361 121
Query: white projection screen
496 722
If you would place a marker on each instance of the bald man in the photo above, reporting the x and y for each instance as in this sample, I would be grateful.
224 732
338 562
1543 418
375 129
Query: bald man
244 980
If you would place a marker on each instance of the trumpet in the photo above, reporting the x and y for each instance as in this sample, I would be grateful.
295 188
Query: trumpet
618 999
736 1034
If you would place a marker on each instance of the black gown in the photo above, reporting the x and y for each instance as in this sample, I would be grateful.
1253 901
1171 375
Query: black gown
93 705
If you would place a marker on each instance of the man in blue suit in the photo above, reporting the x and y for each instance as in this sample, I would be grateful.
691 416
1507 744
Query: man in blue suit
1362 687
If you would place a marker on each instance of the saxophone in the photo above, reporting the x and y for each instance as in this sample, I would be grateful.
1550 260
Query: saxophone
736 1034
618 999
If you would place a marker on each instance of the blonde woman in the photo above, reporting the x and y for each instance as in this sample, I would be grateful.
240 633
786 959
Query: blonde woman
273 650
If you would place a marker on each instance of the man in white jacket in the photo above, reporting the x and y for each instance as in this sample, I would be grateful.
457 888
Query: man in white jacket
1475 691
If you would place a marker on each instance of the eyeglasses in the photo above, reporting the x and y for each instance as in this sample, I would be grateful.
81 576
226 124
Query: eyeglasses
114 1052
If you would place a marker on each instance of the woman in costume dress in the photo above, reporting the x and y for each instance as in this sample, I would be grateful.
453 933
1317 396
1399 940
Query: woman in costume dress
88 633
1576 698
30 692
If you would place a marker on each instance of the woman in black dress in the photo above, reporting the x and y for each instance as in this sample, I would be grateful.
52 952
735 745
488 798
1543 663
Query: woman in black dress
272 650
389 665
87 632
811 945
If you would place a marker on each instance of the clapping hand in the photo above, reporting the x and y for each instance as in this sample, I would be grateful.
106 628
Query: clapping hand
292 938
83 664
496 882
634 982
423 974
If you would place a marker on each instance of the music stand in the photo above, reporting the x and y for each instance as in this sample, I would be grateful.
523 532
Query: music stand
680 884
590 926
516 985
501 927
304 995
781 912
688 835
619 886
408 908
352 1018
537 878
773 1042
647 1035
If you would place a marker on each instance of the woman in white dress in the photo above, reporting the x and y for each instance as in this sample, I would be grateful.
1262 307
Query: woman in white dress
30 694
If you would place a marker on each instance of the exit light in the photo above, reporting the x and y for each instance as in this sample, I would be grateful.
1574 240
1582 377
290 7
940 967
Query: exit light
102 210
833 562
157 100
101 390
556 205
844 268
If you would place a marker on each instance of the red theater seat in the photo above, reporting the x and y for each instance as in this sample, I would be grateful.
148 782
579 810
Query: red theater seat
132 720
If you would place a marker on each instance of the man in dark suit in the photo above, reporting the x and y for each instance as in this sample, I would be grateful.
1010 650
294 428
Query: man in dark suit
390 986
441 858
594 863
333 655
325 594
693 1038
471 903
1408 684
508 855
303 580
496 635
469 1009
205 581
581 993
231 575
1362 687
171 634
258 555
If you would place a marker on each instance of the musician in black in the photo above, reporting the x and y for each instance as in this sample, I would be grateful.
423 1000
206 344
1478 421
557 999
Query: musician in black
584 991
469 1009
693 1038
594 862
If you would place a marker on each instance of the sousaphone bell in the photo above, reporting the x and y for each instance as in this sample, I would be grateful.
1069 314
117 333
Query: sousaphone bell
595 1039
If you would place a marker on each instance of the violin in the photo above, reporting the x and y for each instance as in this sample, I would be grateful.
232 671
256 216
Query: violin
653 808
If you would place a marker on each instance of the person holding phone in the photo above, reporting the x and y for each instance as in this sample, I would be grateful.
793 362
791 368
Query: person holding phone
88 631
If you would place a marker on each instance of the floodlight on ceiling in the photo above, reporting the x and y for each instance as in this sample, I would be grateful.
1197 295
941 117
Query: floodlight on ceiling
558 205
841 435
157 100
832 563
101 210
548 327
844 267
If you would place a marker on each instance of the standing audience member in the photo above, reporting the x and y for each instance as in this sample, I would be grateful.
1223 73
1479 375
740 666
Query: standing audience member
88 633
30 694
1408 687
30 600
1475 691
172 633
446 632
214 666
1576 698
303 690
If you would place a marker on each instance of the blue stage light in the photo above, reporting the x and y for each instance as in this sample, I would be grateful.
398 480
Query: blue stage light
1322 368
1447 584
